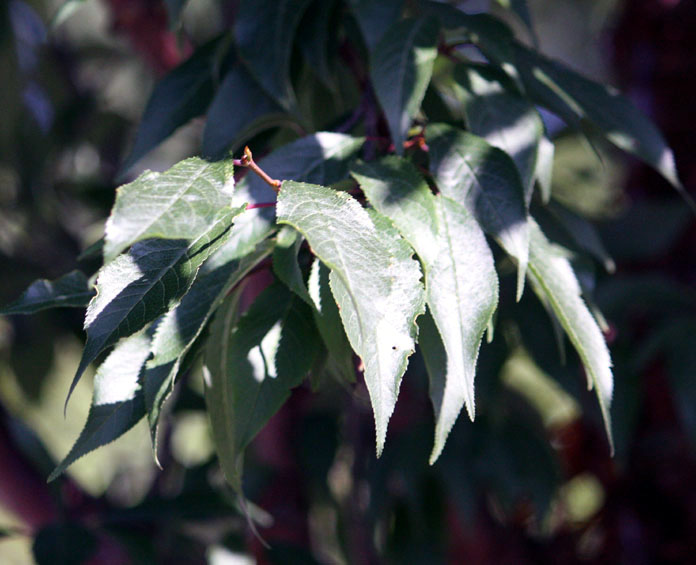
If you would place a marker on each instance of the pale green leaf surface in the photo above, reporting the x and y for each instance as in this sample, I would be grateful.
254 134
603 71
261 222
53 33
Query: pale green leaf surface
460 279
321 158
470 171
137 287
503 118
544 168
553 274
181 326
117 401
250 367
265 30
180 203
69 291
374 279
400 67
183 94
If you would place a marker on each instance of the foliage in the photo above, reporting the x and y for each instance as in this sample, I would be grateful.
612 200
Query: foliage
411 214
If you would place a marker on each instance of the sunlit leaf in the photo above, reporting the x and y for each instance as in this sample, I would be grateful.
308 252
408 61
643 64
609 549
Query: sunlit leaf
374 279
137 287
460 279
71 290
401 66
180 203
470 171
554 277
503 118
117 400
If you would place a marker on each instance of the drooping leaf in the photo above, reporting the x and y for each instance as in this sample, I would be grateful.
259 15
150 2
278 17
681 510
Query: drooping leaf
180 203
265 30
374 18
580 101
137 287
69 291
181 326
184 93
328 321
469 170
240 110
400 67
554 277
285 264
250 367
321 158
503 118
374 279
460 280
117 400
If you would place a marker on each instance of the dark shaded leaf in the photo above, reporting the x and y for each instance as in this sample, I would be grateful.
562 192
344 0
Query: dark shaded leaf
400 67
374 18
265 30
69 291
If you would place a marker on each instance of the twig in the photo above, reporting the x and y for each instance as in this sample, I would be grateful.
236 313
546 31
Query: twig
247 160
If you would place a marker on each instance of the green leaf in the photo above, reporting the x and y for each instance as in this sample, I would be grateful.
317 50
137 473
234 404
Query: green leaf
184 93
460 279
320 158
469 170
117 400
552 274
64 11
240 110
401 66
69 291
180 203
265 30
576 98
503 118
184 323
285 264
544 168
137 287
375 17
250 367
374 280
328 321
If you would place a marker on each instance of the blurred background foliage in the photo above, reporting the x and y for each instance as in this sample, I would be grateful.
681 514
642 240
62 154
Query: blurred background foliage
530 481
